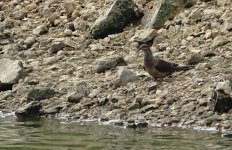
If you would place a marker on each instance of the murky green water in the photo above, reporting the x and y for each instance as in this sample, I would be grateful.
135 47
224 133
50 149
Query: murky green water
48 134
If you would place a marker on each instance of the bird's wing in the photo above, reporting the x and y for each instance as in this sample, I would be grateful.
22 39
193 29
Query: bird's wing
164 66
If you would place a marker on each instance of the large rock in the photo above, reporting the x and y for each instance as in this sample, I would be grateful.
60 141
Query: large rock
162 12
42 93
19 15
219 41
10 71
222 97
143 36
80 90
114 20
32 109
106 63
125 76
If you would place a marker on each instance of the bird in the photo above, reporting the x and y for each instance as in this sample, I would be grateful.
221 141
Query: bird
157 67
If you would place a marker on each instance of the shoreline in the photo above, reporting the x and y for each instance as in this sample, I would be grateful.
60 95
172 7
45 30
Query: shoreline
51 59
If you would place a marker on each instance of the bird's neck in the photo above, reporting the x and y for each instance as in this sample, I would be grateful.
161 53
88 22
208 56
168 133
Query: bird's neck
148 58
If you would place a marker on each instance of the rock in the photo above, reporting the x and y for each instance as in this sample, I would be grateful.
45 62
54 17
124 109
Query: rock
225 86
31 6
75 97
162 12
50 60
32 109
80 90
223 101
57 45
106 63
10 71
69 8
41 93
227 134
189 107
2 26
96 47
29 41
223 2
52 110
114 20
144 36
222 97
189 3
67 32
228 25
195 58
19 15
70 26
202 66
125 76
42 29
103 101
219 41
80 24
148 108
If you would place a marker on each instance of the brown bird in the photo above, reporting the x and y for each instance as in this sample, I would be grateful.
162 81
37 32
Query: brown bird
159 68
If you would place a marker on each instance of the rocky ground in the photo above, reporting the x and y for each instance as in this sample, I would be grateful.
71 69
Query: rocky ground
60 69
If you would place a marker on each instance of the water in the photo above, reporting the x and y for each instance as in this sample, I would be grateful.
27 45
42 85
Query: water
48 134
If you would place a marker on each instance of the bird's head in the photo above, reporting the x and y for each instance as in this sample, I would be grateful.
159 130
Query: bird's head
144 47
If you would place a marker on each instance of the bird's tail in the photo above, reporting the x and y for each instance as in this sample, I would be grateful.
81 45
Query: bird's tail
183 68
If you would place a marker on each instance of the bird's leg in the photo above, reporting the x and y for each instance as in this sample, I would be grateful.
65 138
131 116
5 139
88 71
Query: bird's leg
158 80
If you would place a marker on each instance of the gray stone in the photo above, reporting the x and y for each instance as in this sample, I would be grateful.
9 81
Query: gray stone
219 41
106 63
144 36
70 26
42 29
50 60
56 46
195 58
29 41
114 20
223 2
2 26
67 32
125 76
41 93
96 47
10 71
79 91
189 3
227 25
80 24
162 12
19 15
225 86
32 109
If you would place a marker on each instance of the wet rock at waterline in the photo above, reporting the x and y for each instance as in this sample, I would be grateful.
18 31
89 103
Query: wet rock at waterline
30 110
114 20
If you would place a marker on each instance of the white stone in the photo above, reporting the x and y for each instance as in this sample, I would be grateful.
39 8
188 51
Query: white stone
10 71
